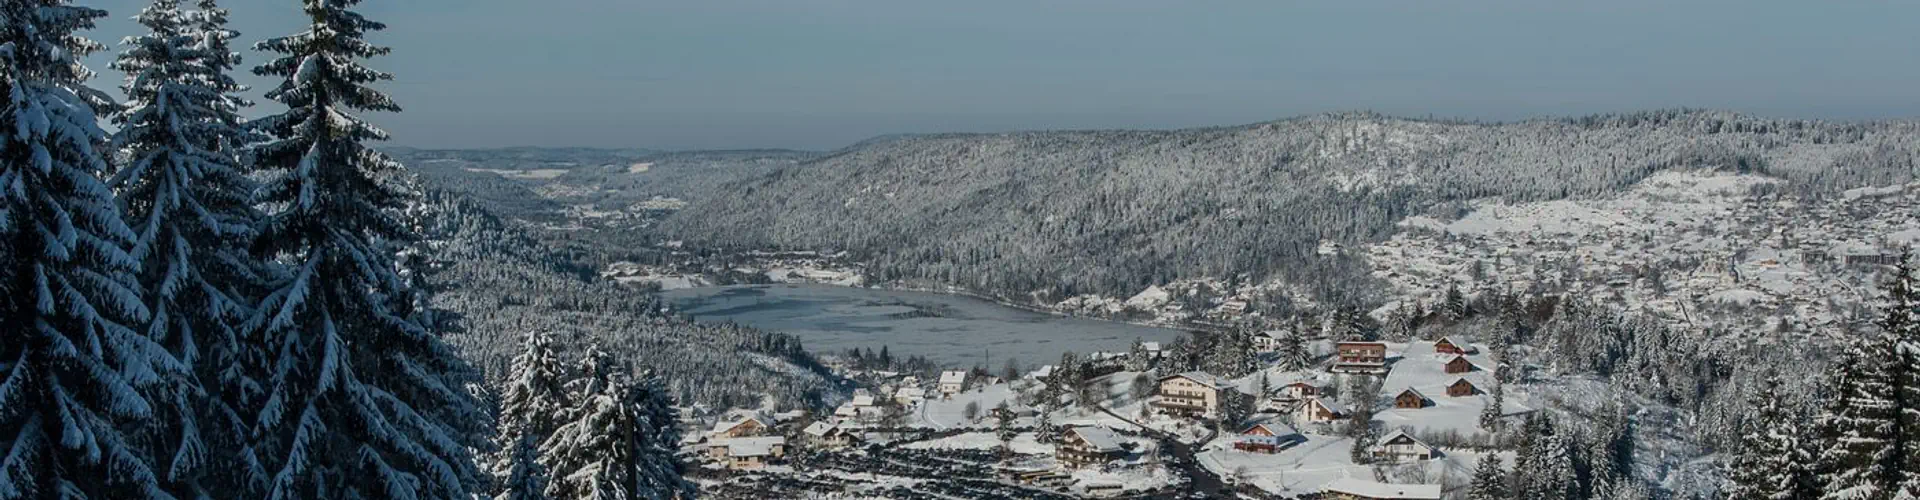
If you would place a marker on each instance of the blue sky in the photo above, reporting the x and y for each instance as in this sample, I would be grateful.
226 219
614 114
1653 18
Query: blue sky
819 74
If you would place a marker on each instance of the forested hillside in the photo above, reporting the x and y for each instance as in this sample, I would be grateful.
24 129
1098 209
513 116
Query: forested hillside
1049 215
502 284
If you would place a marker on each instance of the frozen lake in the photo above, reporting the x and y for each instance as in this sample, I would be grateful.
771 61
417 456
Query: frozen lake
952 330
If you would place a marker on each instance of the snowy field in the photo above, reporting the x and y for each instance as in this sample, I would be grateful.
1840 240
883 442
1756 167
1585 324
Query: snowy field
951 330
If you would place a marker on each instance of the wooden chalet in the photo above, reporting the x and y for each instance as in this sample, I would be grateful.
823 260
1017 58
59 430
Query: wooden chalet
1462 388
1458 365
1410 399
1267 438
1088 445
1449 345
1360 357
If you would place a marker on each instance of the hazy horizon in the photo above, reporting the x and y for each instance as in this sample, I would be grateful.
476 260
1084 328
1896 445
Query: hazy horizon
740 74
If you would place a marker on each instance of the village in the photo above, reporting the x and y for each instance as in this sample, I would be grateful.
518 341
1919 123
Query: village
1367 420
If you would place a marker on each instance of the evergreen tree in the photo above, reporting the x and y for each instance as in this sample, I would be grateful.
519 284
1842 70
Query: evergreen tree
1554 477
531 402
1293 351
74 368
1043 424
1137 357
1859 425
184 192
1770 465
1899 326
1003 427
1489 482
520 476
1454 305
362 400
1490 415
618 442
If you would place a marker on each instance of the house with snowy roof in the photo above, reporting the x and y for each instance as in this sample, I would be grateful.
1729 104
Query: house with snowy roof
1459 365
1398 446
1319 410
1191 394
1411 399
825 435
1452 345
1267 341
749 424
1088 445
952 382
1348 488
749 453
1267 437
1360 357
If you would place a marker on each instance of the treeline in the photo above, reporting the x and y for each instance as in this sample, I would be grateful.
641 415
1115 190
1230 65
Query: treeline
1047 215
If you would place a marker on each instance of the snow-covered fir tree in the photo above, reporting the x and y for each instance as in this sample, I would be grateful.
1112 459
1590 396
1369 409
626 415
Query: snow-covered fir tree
75 368
1003 427
1138 359
185 194
1771 464
1293 351
362 400
1490 414
1454 305
1859 425
531 402
618 441
1489 481
1898 323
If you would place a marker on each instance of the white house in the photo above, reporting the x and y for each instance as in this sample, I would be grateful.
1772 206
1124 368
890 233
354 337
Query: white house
910 395
1399 446
1267 341
952 382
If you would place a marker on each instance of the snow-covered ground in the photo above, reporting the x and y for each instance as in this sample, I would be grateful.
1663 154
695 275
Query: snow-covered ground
1699 247
1423 370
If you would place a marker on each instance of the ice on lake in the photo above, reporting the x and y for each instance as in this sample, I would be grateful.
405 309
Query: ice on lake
952 330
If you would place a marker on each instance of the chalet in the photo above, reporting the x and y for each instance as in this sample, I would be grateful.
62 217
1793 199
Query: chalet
1088 445
1462 388
1267 438
952 382
1153 349
909 395
862 406
1319 410
823 435
1360 357
1459 364
749 453
1411 399
1299 390
1268 341
742 426
1013 411
1348 488
1191 394
1450 345
1400 446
